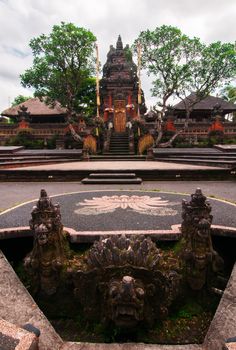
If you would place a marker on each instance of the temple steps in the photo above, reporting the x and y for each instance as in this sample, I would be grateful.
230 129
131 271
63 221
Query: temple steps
24 158
117 157
197 156
112 178
200 161
29 162
119 143
112 175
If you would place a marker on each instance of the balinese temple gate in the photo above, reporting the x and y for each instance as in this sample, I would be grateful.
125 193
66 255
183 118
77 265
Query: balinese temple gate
119 89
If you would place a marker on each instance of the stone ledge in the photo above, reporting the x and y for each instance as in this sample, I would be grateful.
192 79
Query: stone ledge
16 338
230 346
128 346
90 236
18 307
223 325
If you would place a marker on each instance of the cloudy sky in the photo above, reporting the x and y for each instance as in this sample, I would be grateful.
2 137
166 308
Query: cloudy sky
22 20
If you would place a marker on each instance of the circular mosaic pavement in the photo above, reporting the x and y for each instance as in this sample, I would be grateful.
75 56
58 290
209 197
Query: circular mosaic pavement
119 210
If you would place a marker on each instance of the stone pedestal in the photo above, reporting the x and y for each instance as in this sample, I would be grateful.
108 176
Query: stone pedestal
85 155
150 154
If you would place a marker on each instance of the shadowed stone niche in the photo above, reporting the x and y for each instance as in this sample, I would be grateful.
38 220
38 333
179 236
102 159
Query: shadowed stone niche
45 262
202 262
125 281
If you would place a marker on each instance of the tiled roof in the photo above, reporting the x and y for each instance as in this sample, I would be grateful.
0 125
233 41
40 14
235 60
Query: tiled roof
35 107
207 103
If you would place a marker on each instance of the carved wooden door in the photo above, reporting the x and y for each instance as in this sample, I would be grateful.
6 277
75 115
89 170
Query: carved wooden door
119 116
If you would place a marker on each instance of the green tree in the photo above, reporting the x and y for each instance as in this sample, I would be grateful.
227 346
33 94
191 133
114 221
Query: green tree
180 65
19 99
63 66
86 104
229 94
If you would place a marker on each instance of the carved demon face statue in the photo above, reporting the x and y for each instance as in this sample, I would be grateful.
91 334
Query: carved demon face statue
42 233
122 282
126 301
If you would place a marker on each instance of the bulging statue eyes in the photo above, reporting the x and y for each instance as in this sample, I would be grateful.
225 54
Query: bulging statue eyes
140 292
113 291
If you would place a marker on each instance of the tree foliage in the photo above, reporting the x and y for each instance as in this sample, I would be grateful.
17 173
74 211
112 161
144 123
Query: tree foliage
180 65
20 99
167 54
229 93
63 67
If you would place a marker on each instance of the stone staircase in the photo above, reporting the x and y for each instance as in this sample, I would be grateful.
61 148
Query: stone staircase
197 156
22 157
112 178
119 143
118 150
117 157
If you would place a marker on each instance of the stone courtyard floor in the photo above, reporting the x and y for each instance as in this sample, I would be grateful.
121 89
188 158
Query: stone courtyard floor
118 165
150 206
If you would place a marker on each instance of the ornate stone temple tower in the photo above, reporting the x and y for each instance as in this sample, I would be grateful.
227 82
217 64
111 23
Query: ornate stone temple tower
119 88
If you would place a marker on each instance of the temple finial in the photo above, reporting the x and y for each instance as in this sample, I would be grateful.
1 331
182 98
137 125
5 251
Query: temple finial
119 44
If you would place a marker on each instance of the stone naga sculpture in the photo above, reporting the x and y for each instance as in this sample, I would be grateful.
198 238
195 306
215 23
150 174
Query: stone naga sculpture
44 263
123 281
202 262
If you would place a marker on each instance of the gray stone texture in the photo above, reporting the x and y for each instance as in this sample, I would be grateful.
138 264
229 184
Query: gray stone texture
19 308
230 346
16 338
128 346
223 325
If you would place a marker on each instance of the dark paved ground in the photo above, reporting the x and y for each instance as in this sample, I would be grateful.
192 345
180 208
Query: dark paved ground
13 193
160 211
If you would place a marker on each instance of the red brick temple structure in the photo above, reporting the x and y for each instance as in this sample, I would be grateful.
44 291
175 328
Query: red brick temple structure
35 117
119 88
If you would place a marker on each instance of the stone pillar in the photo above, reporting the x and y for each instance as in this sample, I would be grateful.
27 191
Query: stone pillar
150 154
85 155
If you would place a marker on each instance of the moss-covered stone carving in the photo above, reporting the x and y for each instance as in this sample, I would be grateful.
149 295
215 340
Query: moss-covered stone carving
202 262
125 281
45 262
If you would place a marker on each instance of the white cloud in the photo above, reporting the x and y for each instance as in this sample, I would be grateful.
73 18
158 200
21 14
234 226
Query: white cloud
22 20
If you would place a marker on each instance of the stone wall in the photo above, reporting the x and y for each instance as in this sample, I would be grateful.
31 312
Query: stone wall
223 325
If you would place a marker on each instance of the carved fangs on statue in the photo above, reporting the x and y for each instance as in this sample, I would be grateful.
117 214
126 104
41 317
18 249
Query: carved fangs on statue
124 281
